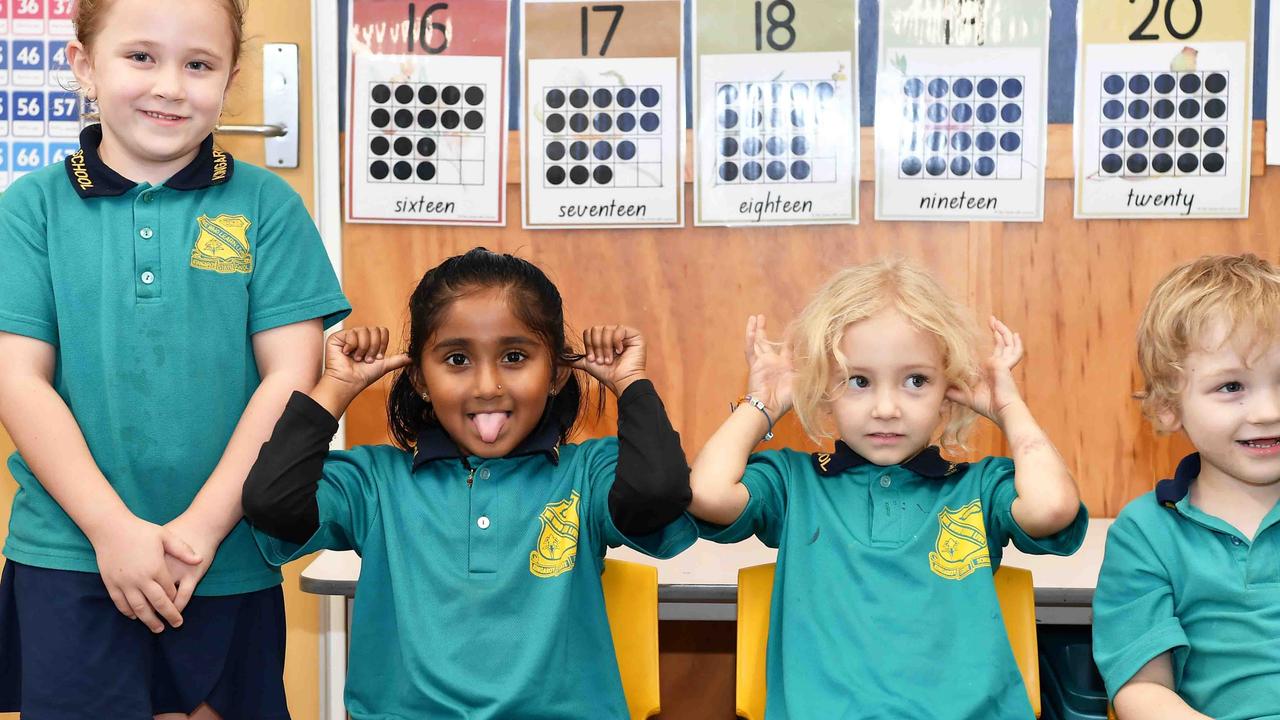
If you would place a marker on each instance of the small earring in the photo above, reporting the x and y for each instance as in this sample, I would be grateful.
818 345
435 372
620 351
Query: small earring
551 393
426 397
499 387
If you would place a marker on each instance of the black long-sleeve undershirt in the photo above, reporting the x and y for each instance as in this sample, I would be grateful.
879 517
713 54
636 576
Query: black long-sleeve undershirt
650 488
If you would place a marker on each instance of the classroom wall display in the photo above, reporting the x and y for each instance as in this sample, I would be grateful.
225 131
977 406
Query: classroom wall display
603 119
775 112
1163 99
1273 96
962 110
40 114
427 140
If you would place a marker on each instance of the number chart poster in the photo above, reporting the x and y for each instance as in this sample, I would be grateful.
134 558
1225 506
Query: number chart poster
39 111
603 127
962 110
776 112
427 136
1163 109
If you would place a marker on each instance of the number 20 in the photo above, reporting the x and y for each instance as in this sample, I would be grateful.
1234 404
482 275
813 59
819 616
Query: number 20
1141 34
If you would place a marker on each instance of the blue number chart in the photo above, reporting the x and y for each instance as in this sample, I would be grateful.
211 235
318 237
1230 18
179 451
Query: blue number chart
40 114
27 157
1162 109
776 110
961 110
603 141
27 63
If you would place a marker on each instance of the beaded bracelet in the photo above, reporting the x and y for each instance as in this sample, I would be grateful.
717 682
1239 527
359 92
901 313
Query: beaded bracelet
759 405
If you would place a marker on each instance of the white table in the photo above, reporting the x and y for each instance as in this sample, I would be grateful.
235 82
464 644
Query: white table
701 584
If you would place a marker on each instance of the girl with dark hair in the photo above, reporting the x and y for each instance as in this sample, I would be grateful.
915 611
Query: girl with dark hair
483 534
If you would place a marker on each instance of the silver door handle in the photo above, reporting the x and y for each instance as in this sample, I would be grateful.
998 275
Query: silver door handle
279 107
266 131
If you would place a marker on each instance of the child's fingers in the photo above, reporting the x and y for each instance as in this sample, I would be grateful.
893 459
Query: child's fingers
395 362
383 340
163 605
121 603
143 611
363 344
178 548
344 340
186 588
750 342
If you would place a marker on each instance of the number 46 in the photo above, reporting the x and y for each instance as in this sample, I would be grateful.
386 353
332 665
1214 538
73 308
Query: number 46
1141 32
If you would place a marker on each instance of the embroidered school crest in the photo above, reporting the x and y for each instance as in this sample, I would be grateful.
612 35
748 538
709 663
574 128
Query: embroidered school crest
961 546
558 542
223 244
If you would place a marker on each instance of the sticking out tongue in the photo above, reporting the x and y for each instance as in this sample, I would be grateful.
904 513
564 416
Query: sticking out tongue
489 424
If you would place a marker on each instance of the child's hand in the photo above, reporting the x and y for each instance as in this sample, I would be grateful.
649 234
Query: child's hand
769 372
995 390
132 560
356 357
614 355
205 541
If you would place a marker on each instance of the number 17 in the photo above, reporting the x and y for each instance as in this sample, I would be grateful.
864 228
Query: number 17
608 36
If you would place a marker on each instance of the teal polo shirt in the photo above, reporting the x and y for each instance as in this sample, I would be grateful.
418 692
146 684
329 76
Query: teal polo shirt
479 594
884 604
150 296
1175 578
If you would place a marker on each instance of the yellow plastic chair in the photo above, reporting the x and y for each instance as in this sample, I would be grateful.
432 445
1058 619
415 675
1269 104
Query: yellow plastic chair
1017 595
755 594
1014 590
631 601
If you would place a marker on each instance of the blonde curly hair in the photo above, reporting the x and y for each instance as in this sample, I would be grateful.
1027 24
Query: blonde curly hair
856 293
1243 290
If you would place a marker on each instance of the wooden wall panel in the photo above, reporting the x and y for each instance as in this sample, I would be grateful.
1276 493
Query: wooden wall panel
1074 289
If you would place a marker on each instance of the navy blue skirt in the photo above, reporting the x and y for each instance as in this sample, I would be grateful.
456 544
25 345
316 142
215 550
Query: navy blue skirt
66 653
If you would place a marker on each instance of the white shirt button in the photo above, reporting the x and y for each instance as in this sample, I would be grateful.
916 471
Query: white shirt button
146 233
484 473
885 481
148 277
482 522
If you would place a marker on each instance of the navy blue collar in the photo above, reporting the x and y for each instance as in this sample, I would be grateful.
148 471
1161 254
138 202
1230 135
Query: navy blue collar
1170 492
435 444
926 463
91 177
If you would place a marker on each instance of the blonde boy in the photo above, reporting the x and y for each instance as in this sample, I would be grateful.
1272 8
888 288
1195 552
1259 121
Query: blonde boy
1187 612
